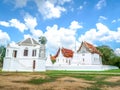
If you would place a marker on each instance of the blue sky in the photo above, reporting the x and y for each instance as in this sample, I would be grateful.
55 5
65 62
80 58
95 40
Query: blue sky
65 23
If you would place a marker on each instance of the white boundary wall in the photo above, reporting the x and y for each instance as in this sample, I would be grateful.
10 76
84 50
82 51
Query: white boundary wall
23 65
82 67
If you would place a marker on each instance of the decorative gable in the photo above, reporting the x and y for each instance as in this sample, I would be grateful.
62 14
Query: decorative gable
89 47
28 42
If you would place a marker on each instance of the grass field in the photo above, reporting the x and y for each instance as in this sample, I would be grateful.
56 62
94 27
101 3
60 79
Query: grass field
61 80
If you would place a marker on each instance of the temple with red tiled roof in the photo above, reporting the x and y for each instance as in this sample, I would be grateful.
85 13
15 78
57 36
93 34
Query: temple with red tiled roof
63 56
87 54
87 57
89 47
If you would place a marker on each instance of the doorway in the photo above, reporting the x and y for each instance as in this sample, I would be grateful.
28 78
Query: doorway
34 64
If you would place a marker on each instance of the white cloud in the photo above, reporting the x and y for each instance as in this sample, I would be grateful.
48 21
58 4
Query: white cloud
102 33
27 36
118 28
81 7
48 8
20 3
102 18
118 19
75 25
13 44
113 21
100 4
3 23
117 51
60 37
17 24
61 2
37 33
14 23
52 8
17 3
4 37
31 23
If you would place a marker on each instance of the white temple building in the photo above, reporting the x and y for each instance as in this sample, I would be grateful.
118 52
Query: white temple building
26 55
87 57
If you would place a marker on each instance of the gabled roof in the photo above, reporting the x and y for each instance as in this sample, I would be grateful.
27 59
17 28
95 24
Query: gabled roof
65 52
28 42
89 47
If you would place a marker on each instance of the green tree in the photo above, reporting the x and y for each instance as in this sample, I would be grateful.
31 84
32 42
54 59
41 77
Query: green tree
108 56
2 54
42 40
116 61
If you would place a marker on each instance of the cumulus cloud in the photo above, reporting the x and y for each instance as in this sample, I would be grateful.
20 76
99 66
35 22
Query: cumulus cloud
13 44
3 23
17 24
27 36
75 25
101 33
4 37
14 23
100 4
60 37
52 8
47 8
31 23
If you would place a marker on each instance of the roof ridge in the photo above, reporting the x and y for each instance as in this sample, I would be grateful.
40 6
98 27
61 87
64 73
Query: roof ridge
28 41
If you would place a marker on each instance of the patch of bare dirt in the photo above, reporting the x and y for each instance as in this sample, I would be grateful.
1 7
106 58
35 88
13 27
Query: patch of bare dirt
66 83
111 88
113 79
18 82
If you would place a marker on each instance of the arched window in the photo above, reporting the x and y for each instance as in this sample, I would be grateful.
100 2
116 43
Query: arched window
26 52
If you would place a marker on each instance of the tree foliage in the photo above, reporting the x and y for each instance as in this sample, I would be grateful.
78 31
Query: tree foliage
42 40
108 56
2 54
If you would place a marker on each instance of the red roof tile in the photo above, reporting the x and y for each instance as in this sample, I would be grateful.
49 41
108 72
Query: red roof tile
65 52
90 47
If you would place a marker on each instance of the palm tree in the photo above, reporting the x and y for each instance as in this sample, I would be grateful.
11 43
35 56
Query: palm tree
42 40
